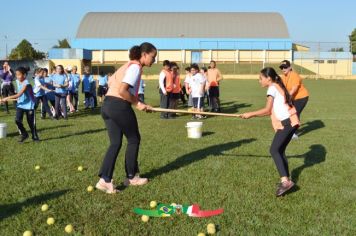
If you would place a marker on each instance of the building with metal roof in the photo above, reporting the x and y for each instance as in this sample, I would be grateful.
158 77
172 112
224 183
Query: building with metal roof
186 36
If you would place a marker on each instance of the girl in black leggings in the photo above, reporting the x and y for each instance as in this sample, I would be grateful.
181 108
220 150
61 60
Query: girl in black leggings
120 119
284 120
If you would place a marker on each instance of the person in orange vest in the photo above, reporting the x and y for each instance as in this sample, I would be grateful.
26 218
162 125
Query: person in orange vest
214 77
294 84
176 91
120 119
165 76
284 120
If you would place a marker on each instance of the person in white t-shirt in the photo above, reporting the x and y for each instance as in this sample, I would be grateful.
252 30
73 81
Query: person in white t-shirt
284 120
197 87
186 86
164 94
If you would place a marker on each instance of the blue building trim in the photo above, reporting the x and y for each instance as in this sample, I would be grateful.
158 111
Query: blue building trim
184 43
354 68
70 53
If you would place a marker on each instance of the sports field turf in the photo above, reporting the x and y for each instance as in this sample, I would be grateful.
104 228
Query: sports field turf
229 167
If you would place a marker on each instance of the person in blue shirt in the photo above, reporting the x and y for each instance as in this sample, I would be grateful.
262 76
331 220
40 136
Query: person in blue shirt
49 94
103 85
25 105
60 82
39 90
73 92
87 86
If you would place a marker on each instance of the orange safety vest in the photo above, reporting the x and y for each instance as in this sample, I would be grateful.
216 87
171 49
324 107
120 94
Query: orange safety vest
277 124
169 80
176 83
115 80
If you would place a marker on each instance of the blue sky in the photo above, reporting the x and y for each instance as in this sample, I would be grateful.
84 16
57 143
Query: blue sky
42 22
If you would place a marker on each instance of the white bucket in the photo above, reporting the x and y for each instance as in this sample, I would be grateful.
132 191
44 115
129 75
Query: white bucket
195 129
3 128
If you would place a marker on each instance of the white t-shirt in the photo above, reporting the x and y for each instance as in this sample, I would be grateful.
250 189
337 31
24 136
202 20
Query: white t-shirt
162 77
197 84
37 87
280 107
187 79
132 76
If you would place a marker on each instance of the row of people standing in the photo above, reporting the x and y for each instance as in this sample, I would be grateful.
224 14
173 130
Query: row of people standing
198 84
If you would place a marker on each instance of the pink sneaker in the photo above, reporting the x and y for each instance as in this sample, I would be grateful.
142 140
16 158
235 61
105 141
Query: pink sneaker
136 181
106 187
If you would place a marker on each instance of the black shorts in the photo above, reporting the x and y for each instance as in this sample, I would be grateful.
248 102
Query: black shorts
174 96
198 102
214 92
102 90
8 90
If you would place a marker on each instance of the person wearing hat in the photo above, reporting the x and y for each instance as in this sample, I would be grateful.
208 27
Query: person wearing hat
294 84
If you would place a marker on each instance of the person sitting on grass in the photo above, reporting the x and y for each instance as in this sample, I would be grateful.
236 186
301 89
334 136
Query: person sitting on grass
284 121
25 105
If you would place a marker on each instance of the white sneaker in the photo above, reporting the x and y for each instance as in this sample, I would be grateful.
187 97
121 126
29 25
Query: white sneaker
136 181
295 136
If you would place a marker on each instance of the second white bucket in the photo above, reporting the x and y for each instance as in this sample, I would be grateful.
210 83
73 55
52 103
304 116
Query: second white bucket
195 129
3 129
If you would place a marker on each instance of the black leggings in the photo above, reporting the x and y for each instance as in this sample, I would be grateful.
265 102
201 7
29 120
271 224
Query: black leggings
44 102
300 104
8 90
120 120
31 120
278 147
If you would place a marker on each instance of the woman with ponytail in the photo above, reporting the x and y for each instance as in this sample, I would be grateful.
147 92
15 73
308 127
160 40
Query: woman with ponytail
120 119
284 121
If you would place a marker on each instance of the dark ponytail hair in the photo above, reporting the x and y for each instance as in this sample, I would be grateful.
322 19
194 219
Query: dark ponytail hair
23 70
270 72
136 51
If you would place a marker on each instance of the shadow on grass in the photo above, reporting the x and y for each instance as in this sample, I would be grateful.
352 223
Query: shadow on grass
91 131
315 155
195 156
14 134
233 107
310 126
208 133
8 210
86 112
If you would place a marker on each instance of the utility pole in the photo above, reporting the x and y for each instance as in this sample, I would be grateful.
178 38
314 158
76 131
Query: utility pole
5 46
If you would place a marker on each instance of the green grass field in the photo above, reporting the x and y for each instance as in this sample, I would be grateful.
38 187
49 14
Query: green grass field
229 167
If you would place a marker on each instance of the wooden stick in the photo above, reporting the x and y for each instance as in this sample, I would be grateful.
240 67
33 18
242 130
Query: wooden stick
194 112
10 100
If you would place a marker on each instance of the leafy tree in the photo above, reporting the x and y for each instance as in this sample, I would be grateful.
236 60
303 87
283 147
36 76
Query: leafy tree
352 38
25 51
336 50
62 44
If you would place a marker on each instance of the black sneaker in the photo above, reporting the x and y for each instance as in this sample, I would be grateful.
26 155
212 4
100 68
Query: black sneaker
23 138
283 187
36 139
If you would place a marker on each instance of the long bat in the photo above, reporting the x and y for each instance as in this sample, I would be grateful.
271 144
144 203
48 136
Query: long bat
156 109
